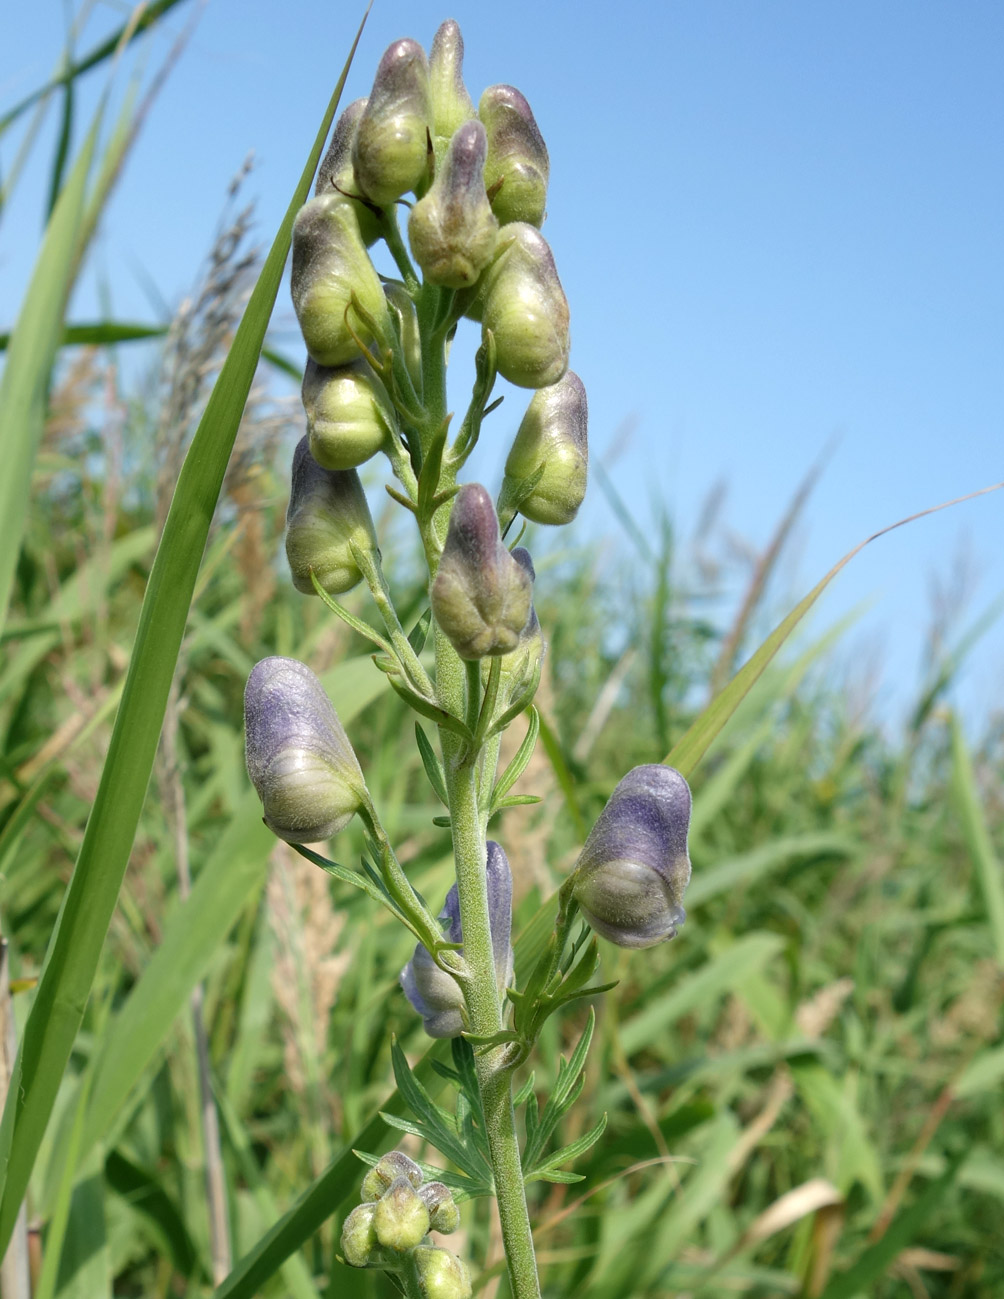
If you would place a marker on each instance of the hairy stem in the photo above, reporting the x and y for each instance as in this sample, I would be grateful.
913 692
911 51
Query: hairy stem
485 1013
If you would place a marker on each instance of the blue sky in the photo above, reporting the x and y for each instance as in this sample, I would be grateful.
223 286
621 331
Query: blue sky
778 225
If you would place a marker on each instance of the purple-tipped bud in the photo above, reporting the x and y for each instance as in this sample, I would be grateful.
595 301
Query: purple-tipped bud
336 174
387 1170
327 517
441 1275
451 104
523 304
481 596
632 872
358 1236
444 1215
552 434
349 414
391 147
434 993
330 264
517 156
400 1219
298 756
452 230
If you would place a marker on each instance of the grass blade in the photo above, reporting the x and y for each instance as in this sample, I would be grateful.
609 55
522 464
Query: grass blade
688 751
30 355
72 957
977 835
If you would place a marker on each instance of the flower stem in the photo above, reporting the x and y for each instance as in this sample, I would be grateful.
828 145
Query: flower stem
485 1013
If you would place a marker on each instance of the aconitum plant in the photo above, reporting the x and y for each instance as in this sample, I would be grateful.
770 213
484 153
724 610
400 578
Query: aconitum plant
375 384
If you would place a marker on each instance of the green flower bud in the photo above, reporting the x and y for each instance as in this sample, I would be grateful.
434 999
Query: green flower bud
327 515
400 1219
481 596
348 414
451 104
441 1274
391 149
523 304
330 264
298 756
406 328
517 156
552 434
444 1215
358 1236
452 229
634 867
337 174
387 1170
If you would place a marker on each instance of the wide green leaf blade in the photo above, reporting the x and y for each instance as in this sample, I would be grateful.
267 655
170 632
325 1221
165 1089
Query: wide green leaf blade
72 957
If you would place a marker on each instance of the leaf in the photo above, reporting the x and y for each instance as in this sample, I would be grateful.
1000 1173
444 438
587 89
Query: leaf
433 767
30 356
547 1171
875 1261
977 835
519 761
691 748
72 957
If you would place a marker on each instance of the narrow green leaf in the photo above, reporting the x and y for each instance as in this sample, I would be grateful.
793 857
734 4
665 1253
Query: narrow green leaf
30 355
860 1278
977 835
688 751
129 30
433 766
519 761
725 972
72 957
566 781
99 332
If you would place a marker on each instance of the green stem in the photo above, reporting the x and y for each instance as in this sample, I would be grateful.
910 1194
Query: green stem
372 571
392 238
485 1014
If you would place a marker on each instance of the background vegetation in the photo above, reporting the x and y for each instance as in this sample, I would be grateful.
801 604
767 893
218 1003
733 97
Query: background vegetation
803 1090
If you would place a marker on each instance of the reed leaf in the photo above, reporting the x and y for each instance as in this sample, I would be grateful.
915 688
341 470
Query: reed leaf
72 957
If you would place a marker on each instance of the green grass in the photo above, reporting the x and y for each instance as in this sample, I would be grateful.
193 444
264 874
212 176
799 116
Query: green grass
802 1090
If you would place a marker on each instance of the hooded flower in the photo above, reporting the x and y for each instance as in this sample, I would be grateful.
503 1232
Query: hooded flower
298 756
434 993
632 872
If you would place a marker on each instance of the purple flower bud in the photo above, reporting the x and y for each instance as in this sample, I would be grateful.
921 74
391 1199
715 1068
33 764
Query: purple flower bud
517 156
330 264
391 148
441 1275
522 302
521 663
632 872
451 104
349 414
298 756
327 516
552 434
481 595
452 230
386 1170
336 173
444 1215
434 993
